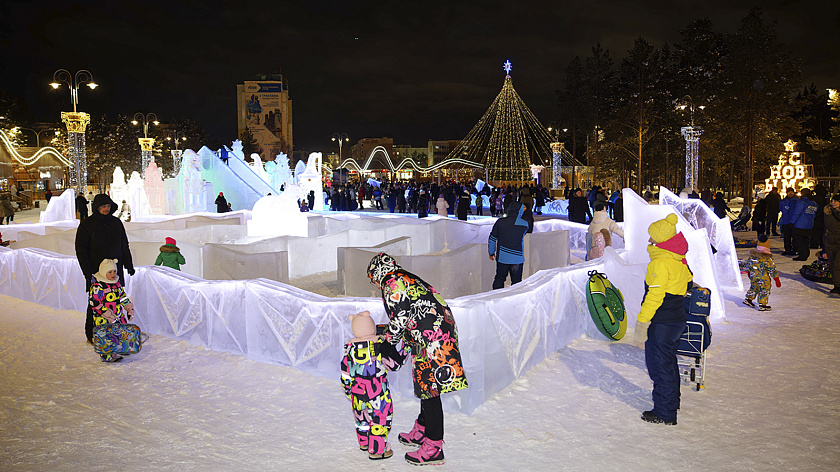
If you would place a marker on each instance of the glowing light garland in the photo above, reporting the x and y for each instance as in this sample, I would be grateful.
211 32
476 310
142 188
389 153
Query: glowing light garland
28 161
505 142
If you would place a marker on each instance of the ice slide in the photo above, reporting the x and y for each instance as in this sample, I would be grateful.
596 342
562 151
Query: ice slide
240 184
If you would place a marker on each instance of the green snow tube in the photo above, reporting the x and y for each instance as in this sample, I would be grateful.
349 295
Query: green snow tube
606 306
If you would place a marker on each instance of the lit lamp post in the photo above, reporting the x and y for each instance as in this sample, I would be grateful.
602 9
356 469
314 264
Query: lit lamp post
341 138
37 133
556 156
176 136
692 145
76 123
147 144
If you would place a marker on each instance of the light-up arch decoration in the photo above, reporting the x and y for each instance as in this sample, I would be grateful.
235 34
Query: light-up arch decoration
28 161
405 163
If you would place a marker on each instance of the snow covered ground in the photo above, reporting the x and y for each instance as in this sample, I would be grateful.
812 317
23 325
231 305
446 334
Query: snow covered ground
772 402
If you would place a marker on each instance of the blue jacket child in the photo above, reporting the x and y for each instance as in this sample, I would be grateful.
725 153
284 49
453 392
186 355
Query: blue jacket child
506 245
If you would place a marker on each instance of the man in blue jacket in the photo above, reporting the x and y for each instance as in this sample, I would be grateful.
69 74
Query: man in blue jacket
787 206
506 245
802 219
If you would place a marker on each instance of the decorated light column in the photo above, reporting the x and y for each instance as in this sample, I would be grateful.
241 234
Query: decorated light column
692 145
76 123
692 155
556 165
177 136
146 143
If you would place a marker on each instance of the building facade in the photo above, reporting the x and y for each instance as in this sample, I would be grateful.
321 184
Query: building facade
264 107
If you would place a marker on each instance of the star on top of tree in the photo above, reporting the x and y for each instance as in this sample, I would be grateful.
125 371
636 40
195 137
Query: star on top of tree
508 67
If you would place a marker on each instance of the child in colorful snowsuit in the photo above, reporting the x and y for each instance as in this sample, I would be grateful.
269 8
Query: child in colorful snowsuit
365 381
170 255
761 269
419 316
108 300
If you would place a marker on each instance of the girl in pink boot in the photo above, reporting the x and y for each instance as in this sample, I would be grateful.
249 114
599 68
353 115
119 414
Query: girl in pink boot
365 381
418 315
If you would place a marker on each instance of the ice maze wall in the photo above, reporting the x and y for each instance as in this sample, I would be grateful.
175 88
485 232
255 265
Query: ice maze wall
503 333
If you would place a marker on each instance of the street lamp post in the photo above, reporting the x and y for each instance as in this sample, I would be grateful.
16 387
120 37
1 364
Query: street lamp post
692 145
341 138
147 144
176 136
37 133
76 123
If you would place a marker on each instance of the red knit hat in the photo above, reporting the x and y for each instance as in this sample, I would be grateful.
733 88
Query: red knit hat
170 241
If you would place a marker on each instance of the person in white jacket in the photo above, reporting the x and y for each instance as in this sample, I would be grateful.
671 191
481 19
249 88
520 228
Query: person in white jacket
601 220
442 206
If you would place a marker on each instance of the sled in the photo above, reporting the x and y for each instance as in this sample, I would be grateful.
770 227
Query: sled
117 338
606 306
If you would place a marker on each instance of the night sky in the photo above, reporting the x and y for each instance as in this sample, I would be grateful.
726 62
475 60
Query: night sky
409 70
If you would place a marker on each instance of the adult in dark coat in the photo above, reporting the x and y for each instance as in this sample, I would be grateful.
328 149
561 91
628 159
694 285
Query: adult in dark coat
81 207
760 215
719 205
618 208
221 203
540 200
578 207
101 236
820 196
772 217
463 206
423 204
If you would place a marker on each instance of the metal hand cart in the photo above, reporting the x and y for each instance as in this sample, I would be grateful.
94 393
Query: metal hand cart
691 354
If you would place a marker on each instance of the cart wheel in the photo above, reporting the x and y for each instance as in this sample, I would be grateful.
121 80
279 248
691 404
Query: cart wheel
692 375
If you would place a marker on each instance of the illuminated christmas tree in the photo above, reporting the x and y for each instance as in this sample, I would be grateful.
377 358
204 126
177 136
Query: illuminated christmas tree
506 141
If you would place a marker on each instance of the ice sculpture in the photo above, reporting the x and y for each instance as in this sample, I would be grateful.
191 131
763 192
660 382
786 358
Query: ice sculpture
137 199
233 176
60 208
279 215
153 185
300 168
119 189
236 149
310 180
281 176
640 214
257 167
719 231
194 199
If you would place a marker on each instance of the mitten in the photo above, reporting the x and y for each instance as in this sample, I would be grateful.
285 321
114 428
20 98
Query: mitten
640 336
778 282
131 271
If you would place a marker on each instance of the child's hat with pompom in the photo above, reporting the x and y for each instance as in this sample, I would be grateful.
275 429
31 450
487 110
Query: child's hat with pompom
664 229
170 241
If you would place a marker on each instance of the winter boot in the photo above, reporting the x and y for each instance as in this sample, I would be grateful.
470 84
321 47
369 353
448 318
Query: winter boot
383 455
651 417
764 308
430 453
749 302
415 436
